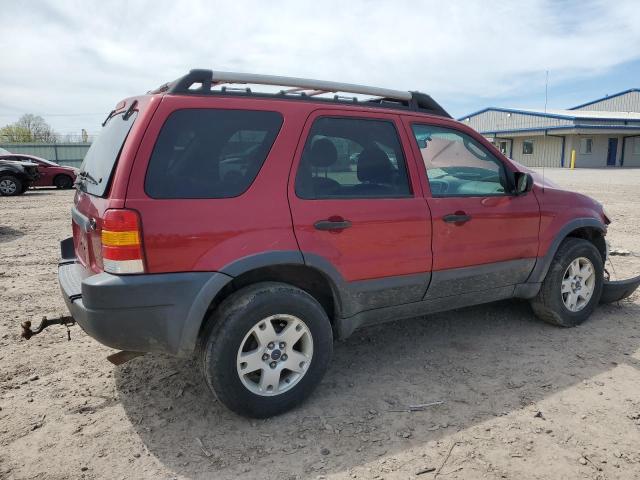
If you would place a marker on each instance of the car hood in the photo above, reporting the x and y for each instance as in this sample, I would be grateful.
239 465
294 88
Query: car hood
22 163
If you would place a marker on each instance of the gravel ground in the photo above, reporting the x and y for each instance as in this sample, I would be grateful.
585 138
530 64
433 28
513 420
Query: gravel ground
521 399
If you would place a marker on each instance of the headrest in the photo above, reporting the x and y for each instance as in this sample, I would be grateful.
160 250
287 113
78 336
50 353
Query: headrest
323 153
374 166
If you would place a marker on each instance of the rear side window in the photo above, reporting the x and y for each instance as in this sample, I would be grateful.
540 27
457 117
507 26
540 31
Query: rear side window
352 158
98 163
206 153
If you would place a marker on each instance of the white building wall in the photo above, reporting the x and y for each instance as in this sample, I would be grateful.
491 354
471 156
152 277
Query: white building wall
599 150
631 159
547 151
629 102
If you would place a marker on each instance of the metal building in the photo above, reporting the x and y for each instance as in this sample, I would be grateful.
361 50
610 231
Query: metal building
603 132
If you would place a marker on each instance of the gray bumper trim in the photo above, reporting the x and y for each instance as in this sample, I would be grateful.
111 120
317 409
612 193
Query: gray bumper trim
145 313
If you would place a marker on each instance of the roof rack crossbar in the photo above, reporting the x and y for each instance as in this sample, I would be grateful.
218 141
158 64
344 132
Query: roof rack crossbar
201 81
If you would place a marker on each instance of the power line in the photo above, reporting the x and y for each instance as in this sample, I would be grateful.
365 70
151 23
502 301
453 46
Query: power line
54 114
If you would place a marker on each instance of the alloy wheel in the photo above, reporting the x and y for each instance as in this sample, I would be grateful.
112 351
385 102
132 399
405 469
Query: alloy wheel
8 186
578 284
274 355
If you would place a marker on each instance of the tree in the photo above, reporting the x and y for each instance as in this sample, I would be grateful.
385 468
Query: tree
29 128
14 134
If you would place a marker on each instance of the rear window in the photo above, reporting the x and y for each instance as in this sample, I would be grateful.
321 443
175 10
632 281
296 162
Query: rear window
206 153
98 163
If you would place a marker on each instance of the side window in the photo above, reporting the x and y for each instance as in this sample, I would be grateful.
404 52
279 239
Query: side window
206 153
585 145
457 165
352 158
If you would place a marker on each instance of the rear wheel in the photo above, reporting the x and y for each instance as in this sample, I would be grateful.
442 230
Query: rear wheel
63 181
10 186
265 349
572 288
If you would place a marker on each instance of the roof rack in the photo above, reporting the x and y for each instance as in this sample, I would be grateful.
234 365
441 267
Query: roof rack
199 82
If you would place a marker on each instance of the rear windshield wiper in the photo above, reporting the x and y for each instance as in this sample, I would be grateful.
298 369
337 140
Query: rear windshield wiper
86 176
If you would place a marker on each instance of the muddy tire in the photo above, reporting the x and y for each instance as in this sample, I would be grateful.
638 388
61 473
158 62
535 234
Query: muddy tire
573 285
265 348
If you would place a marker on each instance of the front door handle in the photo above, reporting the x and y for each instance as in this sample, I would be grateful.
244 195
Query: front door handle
458 217
330 224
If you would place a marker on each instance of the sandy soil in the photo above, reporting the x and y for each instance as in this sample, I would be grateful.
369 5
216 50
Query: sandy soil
521 399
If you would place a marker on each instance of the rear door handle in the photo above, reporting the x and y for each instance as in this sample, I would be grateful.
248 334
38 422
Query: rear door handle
332 224
456 218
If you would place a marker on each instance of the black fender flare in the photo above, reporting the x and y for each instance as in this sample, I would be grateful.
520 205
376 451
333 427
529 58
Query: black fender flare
542 265
226 274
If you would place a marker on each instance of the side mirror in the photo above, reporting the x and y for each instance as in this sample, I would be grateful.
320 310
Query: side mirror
523 183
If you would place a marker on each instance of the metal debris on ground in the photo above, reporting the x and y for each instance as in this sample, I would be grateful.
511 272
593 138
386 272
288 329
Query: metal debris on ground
418 407
445 460
620 252
425 470
206 452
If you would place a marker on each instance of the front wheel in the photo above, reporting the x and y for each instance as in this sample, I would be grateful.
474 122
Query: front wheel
265 349
573 285
10 186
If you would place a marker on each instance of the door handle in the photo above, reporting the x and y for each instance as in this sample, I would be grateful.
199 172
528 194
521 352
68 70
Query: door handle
458 217
332 224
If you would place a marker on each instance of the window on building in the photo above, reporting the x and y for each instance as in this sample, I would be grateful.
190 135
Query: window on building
527 147
636 146
352 158
457 165
503 148
585 145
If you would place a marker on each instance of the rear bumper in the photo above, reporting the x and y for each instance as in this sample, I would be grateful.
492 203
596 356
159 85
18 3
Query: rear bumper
143 313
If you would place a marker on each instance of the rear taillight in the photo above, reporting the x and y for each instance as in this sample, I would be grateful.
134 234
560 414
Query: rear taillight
122 242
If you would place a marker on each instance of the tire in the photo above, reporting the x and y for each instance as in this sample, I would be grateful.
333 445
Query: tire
63 181
231 335
554 303
10 186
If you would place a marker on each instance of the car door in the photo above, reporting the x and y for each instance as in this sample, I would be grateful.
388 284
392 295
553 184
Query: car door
484 236
357 208
45 171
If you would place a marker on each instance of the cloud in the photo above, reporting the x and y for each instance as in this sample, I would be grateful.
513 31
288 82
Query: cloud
71 61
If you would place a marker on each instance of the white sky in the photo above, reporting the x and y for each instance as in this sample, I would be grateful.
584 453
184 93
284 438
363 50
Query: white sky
71 61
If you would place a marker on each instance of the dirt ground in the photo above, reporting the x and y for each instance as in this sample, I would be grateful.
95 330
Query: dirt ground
520 399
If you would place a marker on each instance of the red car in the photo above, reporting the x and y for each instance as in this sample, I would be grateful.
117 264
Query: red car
51 174
252 228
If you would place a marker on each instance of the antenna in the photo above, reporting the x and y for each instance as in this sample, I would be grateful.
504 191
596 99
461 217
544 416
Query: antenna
546 91
546 98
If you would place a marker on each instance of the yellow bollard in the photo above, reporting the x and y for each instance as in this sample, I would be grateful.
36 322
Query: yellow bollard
573 159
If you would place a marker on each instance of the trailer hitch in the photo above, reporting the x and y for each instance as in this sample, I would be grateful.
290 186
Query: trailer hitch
65 320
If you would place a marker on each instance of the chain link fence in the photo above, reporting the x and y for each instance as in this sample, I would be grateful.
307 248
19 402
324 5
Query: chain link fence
58 138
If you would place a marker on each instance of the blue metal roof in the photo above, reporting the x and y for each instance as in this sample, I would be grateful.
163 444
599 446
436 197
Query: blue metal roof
523 112
533 113
564 127
607 97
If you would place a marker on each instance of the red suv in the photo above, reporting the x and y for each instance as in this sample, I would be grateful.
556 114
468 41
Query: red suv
252 228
